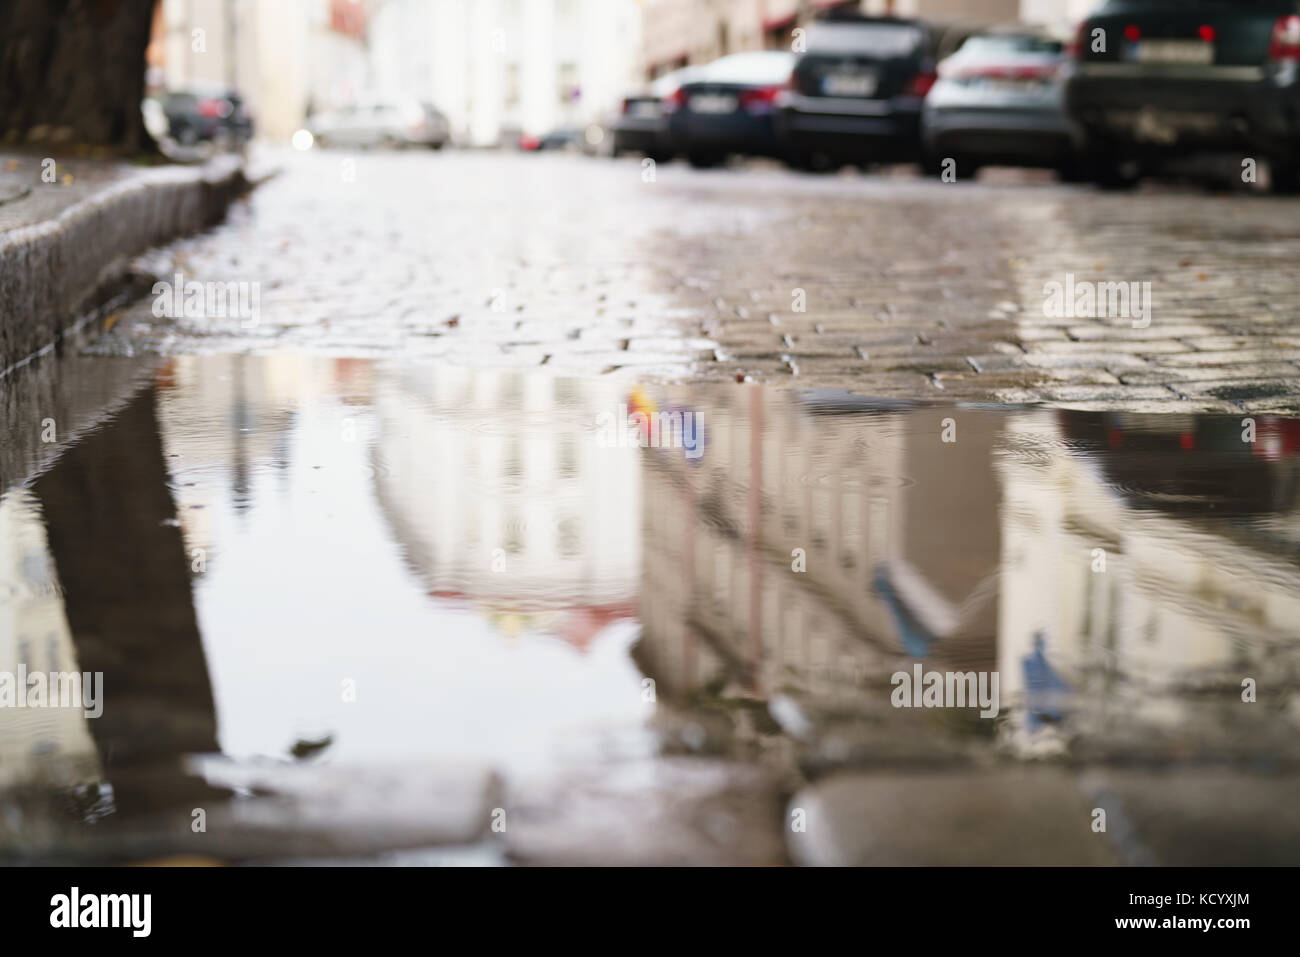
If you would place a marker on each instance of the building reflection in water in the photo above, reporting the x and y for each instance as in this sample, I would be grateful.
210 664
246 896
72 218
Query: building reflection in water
242 533
1123 575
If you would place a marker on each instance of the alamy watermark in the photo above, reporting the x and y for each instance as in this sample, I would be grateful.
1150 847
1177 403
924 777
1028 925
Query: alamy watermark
952 689
656 429
1085 299
53 689
208 300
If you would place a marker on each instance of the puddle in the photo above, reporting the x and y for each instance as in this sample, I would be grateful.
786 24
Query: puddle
344 607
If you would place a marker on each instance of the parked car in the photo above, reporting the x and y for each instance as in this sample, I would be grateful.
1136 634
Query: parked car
1153 80
1000 100
207 115
564 138
642 125
728 108
393 123
857 92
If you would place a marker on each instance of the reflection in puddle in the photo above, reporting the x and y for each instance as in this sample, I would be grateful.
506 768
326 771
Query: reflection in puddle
376 603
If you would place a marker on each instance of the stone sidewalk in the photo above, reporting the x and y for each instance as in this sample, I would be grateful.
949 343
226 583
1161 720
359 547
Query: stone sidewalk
65 245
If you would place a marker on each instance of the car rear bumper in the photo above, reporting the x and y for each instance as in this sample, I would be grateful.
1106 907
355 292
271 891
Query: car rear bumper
639 140
851 126
750 134
1005 135
640 134
1174 110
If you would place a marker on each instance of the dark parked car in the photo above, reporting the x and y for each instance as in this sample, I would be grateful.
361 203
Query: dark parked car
728 107
1000 100
642 125
1154 79
216 116
857 92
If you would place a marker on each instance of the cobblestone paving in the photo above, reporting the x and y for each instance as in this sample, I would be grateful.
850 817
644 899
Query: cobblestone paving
911 288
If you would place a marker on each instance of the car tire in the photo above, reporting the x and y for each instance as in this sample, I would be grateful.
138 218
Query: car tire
810 161
1284 176
1072 171
704 160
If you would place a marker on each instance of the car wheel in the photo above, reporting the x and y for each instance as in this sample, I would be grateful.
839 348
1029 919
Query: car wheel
932 165
1284 176
810 161
704 160
1116 174
1072 171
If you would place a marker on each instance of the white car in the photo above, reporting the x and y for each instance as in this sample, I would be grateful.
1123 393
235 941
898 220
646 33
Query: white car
390 123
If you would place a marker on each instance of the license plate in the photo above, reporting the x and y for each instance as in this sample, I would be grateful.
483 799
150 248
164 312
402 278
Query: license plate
849 84
643 109
1000 85
1190 52
713 103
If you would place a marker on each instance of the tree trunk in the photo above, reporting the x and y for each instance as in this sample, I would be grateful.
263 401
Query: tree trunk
72 73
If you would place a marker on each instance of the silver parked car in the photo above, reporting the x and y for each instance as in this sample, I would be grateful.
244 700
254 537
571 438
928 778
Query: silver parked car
1000 100
392 123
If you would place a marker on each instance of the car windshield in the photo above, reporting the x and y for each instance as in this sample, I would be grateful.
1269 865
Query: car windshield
1004 44
757 68
879 39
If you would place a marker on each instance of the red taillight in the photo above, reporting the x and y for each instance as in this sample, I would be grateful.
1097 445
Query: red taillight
1285 43
626 108
1207 33
1074 49
675 100
209 107
920 84
761 100
1132 33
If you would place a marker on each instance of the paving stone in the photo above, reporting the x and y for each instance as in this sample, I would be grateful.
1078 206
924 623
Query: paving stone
1104 393
1103 346
1000 817
1240 390
663 812
1199 817
1244 370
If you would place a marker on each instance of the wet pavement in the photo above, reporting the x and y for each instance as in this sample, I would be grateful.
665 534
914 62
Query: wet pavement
885 283
377 570
400 610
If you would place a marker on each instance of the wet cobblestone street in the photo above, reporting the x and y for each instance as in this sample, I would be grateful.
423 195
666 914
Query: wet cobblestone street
909 288
369 579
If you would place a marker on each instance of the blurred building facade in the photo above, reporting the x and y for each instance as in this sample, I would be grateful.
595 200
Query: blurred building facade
494 67
497 68
286 58
50 746
1056 12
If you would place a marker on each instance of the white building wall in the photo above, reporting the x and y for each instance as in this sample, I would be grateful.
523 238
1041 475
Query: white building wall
1056 12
